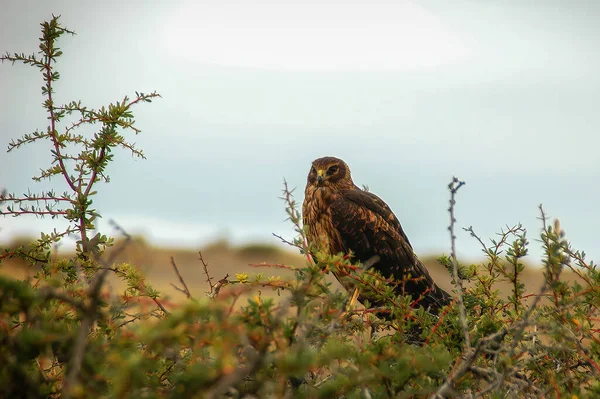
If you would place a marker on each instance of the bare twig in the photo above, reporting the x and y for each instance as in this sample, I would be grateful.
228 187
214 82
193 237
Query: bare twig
454 186
133 319
185 289
291 244
160 305
119 229
295 217
205 267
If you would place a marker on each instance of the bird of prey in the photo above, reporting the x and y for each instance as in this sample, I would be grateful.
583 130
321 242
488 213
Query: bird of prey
341 217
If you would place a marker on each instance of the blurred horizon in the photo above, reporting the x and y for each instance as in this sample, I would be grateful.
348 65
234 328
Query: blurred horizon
408 93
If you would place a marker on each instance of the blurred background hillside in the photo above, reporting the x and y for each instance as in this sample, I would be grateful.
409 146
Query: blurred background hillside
223 259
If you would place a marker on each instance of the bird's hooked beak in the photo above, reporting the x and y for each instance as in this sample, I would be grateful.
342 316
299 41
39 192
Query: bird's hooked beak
320 176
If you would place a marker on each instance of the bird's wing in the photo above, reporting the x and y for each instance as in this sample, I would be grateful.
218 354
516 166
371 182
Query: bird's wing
378 206
368 227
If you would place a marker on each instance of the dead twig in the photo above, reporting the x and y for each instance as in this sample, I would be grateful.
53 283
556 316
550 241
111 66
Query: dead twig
454 186
160 305
205 267
185 289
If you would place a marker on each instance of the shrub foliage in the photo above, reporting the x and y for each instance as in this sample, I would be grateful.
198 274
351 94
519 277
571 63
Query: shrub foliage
63 334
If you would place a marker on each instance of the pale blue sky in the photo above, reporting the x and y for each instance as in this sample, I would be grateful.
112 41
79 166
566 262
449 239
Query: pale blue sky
501 94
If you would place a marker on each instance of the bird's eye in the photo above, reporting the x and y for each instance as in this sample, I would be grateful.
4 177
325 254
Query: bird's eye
332 170
313 170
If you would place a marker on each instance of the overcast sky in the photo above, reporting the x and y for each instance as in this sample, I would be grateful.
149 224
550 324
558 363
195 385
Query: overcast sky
502 94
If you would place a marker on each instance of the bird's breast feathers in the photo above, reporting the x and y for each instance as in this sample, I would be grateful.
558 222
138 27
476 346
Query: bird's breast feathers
317 216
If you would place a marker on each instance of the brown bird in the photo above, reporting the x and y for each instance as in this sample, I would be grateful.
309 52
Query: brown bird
341 217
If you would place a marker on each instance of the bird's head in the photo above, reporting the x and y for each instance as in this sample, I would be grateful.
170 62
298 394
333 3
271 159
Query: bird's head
329 172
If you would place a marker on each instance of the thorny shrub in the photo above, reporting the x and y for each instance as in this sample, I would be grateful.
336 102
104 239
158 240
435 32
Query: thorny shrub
63 335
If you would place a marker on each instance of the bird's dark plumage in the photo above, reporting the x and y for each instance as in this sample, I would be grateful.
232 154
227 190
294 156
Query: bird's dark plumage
342 217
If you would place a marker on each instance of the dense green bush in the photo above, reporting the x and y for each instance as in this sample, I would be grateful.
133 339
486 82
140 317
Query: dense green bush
63 335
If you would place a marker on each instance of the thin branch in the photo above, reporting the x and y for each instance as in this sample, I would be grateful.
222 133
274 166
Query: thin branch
295 217
50 107
160 305
37 212
76 360
185 289
205 268
454 186
291 244
119 229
